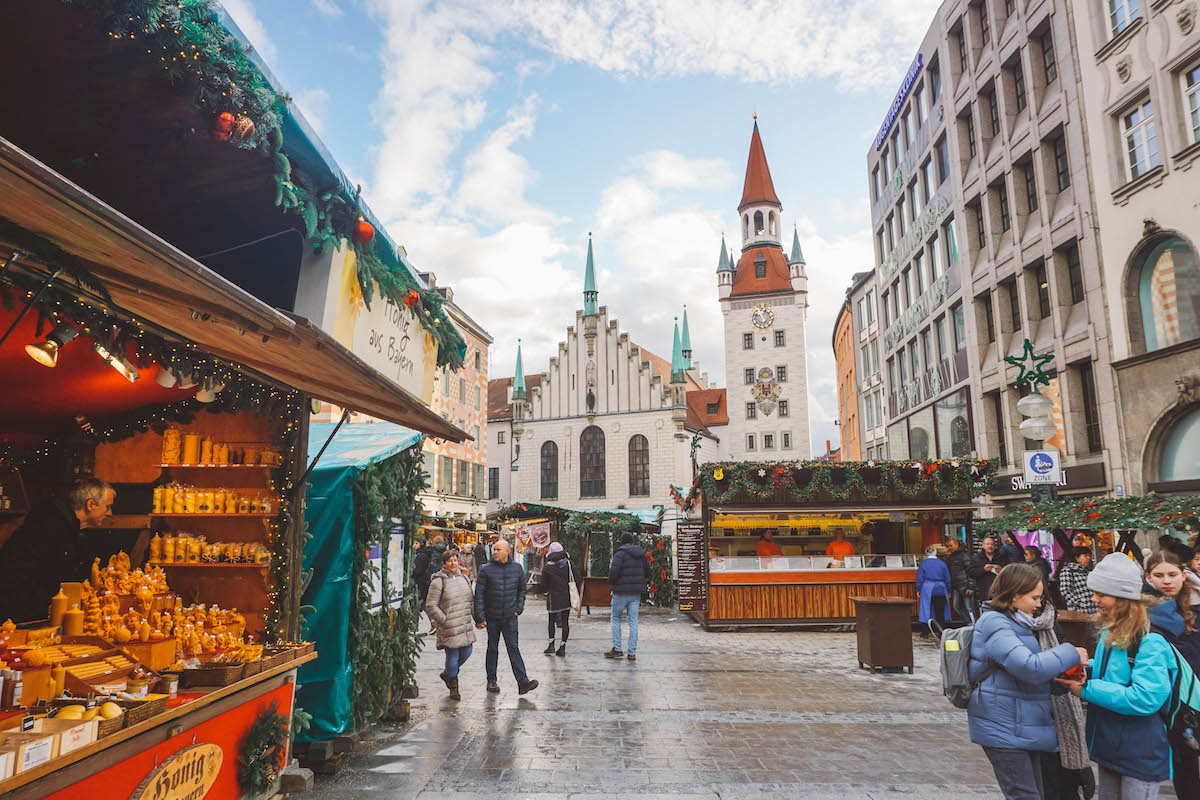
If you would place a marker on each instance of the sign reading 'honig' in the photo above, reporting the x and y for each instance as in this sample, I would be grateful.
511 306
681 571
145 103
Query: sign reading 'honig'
187 775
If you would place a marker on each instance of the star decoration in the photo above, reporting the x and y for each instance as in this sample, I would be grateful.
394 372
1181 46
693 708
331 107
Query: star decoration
1032 367
762 473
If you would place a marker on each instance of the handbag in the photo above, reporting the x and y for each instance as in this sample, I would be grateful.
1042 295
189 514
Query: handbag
576 598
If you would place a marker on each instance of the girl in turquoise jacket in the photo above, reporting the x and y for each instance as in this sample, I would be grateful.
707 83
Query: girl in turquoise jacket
1131 678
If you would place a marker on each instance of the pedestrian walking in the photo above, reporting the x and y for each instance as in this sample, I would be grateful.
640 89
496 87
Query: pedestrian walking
449 605
466 561
933 590
1072 582
985 565
557 577
499 601
1034 558
426 562
962 586
1174 616
1065 774
1130 680
627 576
1009 551
1009 712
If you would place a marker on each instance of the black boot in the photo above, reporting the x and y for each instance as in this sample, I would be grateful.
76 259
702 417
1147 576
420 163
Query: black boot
562 650
452 683
549 648
445 678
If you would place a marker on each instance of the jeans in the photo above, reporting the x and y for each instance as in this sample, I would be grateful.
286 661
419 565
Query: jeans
628 603
1019 772
560 619
455 658
963 605
508 628
1112 786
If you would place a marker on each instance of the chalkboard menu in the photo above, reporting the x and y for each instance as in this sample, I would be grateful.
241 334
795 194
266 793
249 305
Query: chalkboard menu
693 566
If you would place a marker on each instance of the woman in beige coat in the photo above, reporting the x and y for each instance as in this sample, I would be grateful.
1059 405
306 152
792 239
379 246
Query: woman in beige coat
449 604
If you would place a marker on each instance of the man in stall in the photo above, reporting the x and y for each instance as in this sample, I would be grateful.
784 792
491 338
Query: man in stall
47 549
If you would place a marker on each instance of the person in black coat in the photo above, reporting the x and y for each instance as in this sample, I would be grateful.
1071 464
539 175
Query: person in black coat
984 566
1034 558
499 601
627 575
46 550
555 583
426 562
962 586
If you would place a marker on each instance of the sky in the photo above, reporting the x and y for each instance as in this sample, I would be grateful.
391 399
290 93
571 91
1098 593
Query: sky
492 138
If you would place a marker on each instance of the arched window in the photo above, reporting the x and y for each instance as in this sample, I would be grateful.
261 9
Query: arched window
639 466
746 225
549 471
771 219
591 462
1180 457
918 442
1168 293
758 222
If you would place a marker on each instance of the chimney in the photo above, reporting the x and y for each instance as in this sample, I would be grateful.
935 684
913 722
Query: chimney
828 447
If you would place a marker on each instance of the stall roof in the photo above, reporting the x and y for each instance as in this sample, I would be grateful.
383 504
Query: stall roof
358 444
154 281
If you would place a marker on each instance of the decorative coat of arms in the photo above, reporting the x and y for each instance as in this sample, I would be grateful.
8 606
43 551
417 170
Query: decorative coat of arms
766 391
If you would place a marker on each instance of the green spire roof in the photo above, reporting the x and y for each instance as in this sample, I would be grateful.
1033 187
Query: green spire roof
687 342
519 377
678 368
723 265
797 256
590 294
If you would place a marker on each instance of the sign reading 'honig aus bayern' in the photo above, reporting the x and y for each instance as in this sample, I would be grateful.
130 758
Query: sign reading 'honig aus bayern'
909 79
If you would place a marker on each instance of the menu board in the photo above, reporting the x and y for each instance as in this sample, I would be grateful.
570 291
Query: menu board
693 566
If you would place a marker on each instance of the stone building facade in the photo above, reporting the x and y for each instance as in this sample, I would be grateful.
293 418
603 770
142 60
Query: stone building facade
844 348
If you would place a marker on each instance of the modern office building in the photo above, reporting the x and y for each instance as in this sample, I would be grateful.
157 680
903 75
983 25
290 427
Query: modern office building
1140 81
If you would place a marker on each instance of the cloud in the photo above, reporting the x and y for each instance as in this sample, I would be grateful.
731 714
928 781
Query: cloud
327 7
314 105
243 14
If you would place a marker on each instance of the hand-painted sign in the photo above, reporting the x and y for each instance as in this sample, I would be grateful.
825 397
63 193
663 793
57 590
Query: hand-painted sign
187 775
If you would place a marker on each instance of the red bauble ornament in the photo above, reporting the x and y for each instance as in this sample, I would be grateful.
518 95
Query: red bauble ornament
243 127
412 298
224 122
221 136
363 231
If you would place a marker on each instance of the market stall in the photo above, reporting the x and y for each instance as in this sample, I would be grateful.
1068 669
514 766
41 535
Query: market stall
789 543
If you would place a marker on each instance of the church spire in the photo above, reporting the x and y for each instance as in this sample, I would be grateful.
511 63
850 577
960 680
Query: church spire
678 368
723 264
519 377
686 346
758 188
590 295
797 257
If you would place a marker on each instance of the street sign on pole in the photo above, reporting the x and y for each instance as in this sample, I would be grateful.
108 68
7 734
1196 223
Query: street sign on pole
1042 467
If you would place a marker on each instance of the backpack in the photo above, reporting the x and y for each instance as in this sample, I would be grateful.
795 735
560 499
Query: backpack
1181 712
956 666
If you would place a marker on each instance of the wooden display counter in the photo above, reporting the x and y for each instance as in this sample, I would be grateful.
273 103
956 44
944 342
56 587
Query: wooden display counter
783 598
117 766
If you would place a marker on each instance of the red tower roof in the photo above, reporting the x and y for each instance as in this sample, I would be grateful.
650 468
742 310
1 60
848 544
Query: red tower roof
758 187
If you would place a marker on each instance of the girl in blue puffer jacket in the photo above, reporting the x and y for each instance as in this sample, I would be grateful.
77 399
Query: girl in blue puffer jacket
1009 713
1131 678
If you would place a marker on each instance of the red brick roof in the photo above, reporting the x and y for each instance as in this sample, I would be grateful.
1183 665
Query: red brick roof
778 278
758 188
698 401
498 406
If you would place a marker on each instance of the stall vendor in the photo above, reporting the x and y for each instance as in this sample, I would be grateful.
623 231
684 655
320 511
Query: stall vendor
839 547
767 546
46 550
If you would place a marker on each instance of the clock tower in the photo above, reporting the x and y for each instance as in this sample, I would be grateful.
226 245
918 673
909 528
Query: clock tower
764 302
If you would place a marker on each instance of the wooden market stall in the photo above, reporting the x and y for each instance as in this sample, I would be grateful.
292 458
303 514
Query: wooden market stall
790 543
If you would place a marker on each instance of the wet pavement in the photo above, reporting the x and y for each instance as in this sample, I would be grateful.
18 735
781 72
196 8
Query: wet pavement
698 715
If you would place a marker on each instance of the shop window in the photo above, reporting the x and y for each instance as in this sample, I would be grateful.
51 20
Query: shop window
549 470
591 462
1168 292
639 466
1180 458
920 434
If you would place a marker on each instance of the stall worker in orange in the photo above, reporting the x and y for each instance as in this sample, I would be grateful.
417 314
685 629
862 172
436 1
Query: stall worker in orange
839 547
767 546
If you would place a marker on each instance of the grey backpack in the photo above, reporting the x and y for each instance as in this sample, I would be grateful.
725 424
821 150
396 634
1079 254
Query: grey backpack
956 663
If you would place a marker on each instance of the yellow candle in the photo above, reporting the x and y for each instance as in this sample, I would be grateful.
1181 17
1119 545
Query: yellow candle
73 622
58 607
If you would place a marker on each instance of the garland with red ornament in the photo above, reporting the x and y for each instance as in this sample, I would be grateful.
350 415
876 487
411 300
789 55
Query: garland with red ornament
1142 512
686 502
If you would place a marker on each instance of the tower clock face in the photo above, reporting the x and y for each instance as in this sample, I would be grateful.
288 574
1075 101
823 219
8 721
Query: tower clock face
762 317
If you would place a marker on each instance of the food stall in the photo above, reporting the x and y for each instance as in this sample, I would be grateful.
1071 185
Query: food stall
887 511
174 655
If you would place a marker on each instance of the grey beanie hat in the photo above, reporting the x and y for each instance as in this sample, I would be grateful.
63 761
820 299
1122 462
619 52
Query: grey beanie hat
1117 575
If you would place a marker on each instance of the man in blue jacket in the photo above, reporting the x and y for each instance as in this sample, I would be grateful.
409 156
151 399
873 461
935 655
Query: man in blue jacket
499 601
627 576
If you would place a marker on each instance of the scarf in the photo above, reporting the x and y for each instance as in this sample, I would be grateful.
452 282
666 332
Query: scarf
1064 706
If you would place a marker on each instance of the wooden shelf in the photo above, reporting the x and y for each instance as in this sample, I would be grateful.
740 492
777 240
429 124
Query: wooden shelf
12 512
200 515
203 565
220 466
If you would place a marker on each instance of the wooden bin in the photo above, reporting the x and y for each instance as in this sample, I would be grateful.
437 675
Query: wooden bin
884 628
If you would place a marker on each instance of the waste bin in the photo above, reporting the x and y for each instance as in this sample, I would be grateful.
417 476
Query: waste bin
884 626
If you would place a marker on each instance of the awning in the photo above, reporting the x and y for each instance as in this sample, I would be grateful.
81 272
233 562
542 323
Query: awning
358 444
155 282
875 508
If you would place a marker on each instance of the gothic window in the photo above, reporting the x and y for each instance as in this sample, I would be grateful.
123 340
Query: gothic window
639 466
1168 292
746 226
758 223
771 219
591 462
549 471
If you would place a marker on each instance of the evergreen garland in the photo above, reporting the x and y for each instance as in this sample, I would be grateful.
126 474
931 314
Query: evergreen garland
262 752
1144 512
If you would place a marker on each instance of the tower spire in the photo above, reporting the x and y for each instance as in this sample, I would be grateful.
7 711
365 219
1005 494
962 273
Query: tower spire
590 295
686 346
797 257
723 264
758 188
678 369
519 377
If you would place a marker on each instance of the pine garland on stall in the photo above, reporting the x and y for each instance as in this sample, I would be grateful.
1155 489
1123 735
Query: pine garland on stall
1140 512
262 752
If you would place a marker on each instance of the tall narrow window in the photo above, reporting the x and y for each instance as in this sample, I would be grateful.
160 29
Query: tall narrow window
1001 432
985 25
939 329
446 476
549 470
748 376
1061 166
462 390
749 441
747 341
1043 289
493 483
1031 195
591 462
1091 407
980 225
994 111
478 395
960 328
1075 274
1018 76
1014 301
970 121
1191 96
935 79
1010 8
1122 14
1048 62
781 338
639 466
781 373
1141 139
751 411
961 37
989 319
1005 214
783 408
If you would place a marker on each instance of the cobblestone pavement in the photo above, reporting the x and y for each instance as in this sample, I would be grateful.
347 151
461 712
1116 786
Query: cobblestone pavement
699 715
